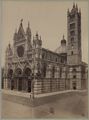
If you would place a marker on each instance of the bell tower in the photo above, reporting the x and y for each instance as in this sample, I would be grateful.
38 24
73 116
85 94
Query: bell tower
74 36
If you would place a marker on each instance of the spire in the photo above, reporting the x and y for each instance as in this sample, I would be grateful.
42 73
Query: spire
21 22
15 35
9 45
28 31
9 49
76 7
73 5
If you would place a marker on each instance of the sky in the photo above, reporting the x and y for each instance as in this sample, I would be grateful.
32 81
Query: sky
49 18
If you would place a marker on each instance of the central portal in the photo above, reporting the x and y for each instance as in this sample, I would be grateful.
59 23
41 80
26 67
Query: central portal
74 85
20 84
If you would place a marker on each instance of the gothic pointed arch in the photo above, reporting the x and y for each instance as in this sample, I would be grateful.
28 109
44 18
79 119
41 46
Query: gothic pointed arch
10 72
18 72
27 72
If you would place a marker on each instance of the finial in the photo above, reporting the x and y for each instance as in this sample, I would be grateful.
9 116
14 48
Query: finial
36 33
76 6
21 20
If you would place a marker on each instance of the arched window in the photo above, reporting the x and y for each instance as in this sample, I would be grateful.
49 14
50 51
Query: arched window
60 72
72 53
53 72
74 69
44 70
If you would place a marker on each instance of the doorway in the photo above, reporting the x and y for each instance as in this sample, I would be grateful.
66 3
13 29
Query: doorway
29 85
74 85
19 84
12 84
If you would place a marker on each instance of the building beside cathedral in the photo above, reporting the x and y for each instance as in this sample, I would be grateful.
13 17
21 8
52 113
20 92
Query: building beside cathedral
30 67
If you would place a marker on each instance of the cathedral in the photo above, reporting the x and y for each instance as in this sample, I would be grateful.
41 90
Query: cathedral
29 67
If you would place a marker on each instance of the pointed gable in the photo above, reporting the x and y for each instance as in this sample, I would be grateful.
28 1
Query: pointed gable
21 33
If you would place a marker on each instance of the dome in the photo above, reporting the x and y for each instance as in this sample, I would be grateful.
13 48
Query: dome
61 49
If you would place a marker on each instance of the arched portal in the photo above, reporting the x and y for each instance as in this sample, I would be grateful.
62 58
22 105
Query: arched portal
10 79
74 85
27 81
10 73
18 79
27 72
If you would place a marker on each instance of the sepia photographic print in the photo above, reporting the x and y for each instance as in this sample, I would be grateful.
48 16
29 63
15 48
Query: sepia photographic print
44 59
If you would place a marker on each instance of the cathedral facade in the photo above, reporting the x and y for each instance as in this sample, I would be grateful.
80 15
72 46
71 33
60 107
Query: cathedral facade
31 68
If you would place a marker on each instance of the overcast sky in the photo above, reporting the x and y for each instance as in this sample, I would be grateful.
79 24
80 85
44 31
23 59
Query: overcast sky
49 18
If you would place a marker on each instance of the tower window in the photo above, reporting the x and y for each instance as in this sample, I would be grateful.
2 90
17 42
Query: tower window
74 76
74 70
72 40
72 53
72 26
72 16
72 33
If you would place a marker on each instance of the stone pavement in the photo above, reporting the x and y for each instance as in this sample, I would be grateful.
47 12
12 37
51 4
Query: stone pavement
27 95
67 105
